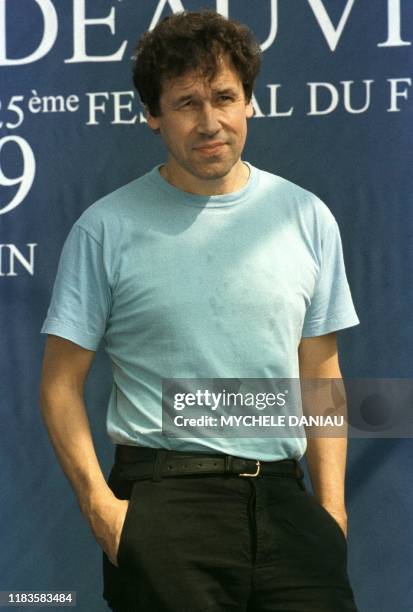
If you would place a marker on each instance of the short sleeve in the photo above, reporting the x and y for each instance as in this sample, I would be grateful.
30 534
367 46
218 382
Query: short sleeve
81 297
331 306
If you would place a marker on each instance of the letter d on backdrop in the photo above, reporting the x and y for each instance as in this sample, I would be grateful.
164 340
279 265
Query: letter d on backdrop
50 27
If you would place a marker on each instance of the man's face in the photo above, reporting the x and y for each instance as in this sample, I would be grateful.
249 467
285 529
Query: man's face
203 124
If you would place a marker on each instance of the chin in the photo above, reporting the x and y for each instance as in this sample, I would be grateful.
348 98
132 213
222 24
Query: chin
215 172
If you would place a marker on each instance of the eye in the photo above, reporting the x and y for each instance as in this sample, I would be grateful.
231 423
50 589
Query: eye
187 104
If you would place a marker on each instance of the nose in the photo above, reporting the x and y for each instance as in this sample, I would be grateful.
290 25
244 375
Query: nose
208 122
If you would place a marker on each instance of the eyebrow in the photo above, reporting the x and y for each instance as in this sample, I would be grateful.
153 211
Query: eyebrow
227 91
219 92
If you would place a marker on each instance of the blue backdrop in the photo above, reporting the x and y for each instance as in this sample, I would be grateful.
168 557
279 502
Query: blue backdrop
333 113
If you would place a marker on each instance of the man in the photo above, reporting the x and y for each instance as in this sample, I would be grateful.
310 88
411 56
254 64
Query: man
204 268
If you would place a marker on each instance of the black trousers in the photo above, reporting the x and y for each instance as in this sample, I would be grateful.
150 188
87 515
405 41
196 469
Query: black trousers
218 543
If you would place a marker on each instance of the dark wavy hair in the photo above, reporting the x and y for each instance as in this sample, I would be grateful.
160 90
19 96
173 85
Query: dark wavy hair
193 41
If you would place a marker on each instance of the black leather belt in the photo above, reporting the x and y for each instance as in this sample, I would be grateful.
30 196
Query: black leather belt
140 463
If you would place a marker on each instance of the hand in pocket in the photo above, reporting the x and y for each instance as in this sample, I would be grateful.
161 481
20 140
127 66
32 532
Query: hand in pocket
107 523
340 518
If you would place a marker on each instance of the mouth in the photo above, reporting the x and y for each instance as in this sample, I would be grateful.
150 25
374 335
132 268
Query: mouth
210 149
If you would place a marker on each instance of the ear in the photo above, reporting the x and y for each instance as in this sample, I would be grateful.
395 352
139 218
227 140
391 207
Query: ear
249 110
153 122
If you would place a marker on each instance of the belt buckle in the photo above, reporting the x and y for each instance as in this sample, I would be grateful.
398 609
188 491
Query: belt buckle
255 474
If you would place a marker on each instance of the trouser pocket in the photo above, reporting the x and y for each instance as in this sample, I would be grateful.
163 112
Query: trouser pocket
125 536
330 518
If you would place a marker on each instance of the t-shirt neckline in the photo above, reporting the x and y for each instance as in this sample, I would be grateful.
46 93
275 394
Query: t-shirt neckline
206 201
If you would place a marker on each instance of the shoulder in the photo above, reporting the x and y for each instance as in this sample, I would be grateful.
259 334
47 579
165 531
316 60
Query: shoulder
290 199
103 217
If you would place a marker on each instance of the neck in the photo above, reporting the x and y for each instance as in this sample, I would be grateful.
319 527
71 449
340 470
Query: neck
235 180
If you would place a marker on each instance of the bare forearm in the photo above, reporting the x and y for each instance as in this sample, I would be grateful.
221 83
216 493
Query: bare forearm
66 421
322 389
65 368
327 454
326 461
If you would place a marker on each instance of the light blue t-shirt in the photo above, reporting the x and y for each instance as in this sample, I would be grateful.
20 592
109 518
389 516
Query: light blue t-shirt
187 286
